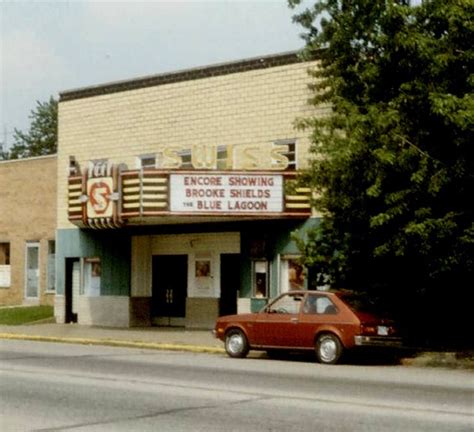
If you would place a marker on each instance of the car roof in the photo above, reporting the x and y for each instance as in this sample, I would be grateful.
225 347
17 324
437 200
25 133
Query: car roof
303 292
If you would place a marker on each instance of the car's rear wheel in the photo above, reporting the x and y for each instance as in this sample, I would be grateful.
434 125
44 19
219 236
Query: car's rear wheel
236 343
328 348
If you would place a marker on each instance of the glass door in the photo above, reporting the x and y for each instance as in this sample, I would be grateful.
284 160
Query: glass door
32 270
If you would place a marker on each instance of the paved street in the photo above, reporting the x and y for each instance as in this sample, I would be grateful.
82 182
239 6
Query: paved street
48 387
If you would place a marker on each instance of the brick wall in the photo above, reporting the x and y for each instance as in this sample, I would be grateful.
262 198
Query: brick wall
253 107
27 213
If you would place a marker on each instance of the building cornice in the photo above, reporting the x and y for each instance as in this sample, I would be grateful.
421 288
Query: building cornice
245 65
28 159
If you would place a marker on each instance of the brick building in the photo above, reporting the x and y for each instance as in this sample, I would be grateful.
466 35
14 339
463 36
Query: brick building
27 230
176 193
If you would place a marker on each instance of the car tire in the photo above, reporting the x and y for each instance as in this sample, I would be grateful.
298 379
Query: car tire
328 348
236 343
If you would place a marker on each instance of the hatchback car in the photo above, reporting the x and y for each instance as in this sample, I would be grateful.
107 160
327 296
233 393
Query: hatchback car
327 322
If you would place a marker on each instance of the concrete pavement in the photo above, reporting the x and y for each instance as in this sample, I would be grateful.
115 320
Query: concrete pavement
168 338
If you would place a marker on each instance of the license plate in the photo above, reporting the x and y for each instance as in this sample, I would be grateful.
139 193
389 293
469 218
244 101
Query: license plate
382 331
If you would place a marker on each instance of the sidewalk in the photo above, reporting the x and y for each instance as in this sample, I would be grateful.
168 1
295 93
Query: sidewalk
177 339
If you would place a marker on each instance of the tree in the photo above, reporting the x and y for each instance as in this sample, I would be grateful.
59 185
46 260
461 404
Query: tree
41 139
393 163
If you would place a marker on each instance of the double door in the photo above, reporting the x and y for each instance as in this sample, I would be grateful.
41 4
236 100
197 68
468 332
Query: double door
169 289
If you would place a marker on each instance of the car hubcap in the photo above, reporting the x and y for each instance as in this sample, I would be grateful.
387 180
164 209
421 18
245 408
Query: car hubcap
235 343
328 350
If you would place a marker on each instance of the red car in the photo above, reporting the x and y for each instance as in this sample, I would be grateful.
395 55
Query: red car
327 322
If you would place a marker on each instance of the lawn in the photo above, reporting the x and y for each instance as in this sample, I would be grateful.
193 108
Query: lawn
24 314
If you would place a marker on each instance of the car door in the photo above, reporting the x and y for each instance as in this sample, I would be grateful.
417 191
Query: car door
277 324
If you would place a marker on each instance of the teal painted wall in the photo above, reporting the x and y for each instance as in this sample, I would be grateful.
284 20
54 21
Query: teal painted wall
278 235
112 247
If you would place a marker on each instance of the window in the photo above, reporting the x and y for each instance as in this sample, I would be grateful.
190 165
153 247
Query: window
186 159
290 152
319 304
221 157
288 304
292 274
51 285
147 161
260 278
5 269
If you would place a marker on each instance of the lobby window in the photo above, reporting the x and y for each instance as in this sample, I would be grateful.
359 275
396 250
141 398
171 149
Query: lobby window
5 269
51 283
290 153
147 161
260 278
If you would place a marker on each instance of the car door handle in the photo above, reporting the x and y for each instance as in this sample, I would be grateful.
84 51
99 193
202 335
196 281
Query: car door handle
294 320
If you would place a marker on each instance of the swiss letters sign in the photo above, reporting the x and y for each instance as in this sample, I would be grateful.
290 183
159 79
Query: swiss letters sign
226 193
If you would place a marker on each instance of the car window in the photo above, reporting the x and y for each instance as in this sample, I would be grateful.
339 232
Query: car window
289 304
319 304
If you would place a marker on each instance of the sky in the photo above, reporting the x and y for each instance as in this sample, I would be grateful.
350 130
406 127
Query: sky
51 46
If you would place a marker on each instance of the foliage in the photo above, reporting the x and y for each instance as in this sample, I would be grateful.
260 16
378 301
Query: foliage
24 315
393 163
41 139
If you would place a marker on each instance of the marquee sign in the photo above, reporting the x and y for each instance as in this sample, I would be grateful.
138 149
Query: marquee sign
226 193
109 196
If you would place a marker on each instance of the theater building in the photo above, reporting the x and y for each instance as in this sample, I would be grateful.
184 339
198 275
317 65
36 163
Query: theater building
177 196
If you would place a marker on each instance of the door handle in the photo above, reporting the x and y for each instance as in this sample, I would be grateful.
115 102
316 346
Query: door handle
294 320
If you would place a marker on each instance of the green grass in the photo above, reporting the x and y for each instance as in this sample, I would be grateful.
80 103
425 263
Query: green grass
24 315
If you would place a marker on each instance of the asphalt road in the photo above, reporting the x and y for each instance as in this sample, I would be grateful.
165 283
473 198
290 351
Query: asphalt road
59 387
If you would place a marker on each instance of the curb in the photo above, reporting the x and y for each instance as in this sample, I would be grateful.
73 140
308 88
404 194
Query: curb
117 343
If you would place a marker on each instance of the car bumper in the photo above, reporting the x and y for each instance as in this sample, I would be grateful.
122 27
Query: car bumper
382 341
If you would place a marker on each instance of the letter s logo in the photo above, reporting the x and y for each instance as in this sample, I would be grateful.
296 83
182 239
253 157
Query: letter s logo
99 195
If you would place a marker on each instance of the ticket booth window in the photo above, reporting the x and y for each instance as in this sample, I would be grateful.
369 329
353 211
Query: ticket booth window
260 277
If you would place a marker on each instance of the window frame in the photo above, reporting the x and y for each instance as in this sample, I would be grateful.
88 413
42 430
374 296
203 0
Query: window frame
6 267
255 291
142 157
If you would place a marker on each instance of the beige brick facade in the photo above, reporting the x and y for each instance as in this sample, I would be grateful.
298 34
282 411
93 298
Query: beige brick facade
27 214
249 109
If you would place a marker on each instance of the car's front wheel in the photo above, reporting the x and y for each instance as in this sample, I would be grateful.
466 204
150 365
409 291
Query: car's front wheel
328 348
236 344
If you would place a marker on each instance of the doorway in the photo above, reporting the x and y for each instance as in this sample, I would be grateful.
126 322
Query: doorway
32 271
230 283
72 285
169 289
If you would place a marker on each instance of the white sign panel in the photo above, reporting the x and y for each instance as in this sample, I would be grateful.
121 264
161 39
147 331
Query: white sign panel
226 193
